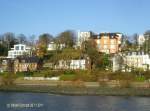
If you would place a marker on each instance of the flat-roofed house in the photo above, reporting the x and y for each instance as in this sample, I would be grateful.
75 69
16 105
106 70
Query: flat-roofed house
18 50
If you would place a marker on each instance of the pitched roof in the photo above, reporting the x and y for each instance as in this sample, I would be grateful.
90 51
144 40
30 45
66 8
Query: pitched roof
33 59
111 35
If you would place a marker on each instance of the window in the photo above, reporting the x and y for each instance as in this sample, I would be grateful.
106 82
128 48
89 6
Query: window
98 46
98 41
17 48
105 36
105 41
105 46
22 47
23 61
112 41
112 46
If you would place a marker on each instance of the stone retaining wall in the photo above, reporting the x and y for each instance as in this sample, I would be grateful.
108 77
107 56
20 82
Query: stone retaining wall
111 84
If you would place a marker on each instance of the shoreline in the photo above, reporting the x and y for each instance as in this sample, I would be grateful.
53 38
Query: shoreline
78 91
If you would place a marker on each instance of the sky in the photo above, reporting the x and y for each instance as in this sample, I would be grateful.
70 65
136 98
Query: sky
55 16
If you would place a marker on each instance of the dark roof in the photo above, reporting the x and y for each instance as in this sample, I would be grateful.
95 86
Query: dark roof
33 59
111 35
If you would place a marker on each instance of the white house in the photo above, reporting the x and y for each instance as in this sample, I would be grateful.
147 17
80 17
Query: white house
117 61
82 36
53 46
72 64
137 60
18 50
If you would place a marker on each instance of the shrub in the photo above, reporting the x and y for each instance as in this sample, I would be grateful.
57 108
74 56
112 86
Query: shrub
69 72
138 71
140 78
89 78
28 73
78 75
103 83
47 73
70 77
121 76
20 74
85 75
146 75
8 79
125 83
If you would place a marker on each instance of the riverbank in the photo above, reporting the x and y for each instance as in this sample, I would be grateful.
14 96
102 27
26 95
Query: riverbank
67 90
107 88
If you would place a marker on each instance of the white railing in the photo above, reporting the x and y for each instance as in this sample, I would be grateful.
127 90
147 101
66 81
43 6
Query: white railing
41 78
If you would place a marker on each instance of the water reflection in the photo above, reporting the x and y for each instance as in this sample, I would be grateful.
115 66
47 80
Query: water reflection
74 103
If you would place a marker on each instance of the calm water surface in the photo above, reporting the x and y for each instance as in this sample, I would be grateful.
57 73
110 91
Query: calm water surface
12 101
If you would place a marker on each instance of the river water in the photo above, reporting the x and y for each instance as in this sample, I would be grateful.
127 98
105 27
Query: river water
14 101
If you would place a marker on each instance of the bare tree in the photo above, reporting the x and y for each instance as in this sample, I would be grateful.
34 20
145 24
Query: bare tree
22 39
67 37
43 42
9 39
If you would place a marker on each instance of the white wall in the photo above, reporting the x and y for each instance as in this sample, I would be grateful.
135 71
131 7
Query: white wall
138 61
82 36
72 64
17 50
53 46
141 39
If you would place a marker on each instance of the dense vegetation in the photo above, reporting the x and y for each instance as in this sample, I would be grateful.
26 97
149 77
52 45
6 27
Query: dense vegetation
99 62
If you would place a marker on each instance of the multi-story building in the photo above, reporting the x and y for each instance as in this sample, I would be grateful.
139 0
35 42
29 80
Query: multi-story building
18 50
137 60
82 36
108 42
26 64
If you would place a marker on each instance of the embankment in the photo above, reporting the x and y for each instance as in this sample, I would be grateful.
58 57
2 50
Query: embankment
80 88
